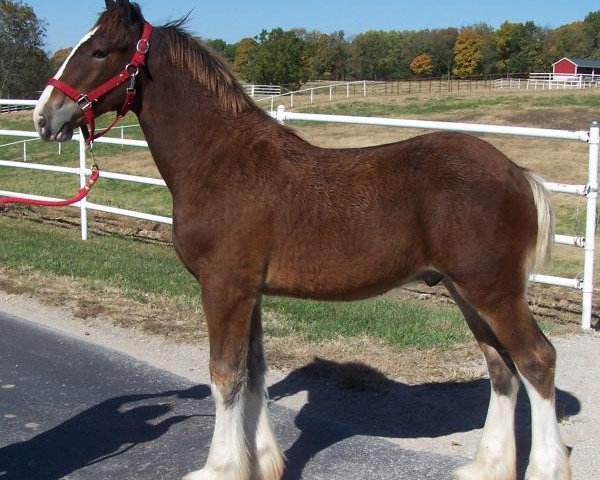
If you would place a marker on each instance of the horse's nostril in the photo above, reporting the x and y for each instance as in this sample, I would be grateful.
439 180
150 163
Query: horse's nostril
41 122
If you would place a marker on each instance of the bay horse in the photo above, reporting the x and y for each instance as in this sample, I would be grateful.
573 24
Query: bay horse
257 210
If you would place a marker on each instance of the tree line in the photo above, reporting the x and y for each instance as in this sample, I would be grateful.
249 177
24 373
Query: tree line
292 57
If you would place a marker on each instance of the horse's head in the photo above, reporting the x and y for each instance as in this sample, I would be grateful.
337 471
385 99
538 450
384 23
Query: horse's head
100 55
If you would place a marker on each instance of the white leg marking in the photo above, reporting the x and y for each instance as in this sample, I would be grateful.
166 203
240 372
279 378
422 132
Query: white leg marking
548 459
228 457
270 459
48 90
496 455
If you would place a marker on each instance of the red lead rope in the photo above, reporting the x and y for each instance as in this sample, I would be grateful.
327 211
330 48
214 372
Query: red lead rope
83 192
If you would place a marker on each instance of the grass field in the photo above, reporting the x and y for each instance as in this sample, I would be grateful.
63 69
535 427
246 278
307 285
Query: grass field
153 275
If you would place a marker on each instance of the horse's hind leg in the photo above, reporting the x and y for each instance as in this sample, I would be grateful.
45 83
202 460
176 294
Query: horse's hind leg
270 462
509 318
243 445
496 455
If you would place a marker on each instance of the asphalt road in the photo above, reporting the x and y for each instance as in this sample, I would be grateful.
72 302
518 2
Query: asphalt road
69 409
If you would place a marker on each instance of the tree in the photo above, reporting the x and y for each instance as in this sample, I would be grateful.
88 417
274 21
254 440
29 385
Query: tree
441 49
24 67
226 50
592 28
243 52
277 59
59 57
520 47
378 55
467 52
326 56
422 65
571 40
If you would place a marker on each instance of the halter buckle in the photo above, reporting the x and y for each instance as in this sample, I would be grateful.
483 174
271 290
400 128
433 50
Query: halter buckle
84 102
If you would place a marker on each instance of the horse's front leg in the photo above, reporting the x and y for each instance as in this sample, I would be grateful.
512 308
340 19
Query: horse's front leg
243 445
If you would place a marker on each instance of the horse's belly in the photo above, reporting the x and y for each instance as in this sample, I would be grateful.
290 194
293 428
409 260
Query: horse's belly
350 280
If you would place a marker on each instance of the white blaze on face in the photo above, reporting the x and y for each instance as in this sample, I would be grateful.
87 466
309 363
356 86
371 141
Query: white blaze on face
48 90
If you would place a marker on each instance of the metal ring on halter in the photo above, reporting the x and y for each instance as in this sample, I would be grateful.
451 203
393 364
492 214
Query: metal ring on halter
132 69
142 46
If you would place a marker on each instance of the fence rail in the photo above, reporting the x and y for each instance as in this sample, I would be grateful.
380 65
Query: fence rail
548 81
13 106
365 88
262 90
589 190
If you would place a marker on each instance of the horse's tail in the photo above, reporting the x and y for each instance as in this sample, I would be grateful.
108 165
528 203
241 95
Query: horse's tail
545 217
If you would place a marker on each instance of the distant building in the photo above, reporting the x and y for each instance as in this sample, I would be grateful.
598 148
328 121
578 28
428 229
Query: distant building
576 66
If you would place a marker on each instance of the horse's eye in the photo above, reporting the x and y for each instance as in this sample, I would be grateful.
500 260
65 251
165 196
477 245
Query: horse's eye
100 53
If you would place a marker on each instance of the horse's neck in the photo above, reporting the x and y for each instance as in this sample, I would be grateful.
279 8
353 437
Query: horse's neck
184 128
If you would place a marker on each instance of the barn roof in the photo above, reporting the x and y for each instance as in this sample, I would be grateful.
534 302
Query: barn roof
581 62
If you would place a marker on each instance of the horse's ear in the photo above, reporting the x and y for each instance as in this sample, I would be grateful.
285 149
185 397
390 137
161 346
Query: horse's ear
109 4
127 11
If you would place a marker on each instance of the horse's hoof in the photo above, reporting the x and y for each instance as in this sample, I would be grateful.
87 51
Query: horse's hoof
479 471
544 474
271 466
553 466
209 473
204 474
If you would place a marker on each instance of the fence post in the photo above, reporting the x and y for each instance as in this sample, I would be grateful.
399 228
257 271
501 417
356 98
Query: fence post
364 88
590 227
25 151
330 93
82 181
281 114
312 95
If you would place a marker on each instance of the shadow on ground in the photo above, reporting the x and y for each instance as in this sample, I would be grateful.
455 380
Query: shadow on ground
344 400
353 399
106 430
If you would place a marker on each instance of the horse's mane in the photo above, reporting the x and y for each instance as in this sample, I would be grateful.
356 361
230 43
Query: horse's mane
207 68
187 53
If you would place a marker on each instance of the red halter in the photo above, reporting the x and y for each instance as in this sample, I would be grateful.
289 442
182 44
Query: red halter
86 103
86 100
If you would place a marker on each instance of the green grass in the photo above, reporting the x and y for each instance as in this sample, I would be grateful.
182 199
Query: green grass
400 323
139 269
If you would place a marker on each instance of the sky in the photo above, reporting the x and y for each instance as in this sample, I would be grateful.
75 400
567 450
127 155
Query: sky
233 20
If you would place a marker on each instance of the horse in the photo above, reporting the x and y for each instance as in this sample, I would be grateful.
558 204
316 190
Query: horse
259 211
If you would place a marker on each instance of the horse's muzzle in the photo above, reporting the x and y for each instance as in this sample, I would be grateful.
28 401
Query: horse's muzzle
57 124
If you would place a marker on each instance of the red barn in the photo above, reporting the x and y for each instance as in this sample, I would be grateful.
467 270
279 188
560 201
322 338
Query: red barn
576 66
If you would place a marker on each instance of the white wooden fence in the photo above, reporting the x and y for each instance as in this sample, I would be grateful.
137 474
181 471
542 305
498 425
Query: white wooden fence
548 81
260 91
347 89
589 190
